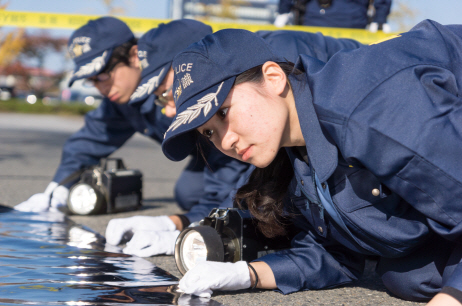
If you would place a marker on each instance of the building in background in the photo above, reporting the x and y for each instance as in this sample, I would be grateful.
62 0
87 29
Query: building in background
239 11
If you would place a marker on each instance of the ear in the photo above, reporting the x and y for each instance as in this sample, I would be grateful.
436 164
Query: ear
275 78
133 57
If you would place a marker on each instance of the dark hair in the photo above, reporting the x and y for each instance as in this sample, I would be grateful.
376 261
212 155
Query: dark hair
266 189
264 195
121 53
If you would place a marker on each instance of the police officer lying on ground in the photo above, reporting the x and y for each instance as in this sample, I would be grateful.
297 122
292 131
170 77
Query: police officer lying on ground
156 50
367 147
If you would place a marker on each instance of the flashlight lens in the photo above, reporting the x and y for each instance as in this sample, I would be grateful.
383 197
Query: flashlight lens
83 199
198 244
193 249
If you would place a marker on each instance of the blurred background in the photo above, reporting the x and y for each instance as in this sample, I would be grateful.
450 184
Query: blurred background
34 65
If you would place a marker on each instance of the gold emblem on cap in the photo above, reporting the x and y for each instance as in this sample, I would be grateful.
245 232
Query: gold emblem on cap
77 50
178 92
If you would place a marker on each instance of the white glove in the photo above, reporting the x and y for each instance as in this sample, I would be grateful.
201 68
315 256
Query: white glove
117 228
373 27
281 20
211 275
149 243
41 201
386 28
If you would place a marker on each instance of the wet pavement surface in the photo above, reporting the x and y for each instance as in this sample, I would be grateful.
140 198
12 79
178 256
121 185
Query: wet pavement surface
47 259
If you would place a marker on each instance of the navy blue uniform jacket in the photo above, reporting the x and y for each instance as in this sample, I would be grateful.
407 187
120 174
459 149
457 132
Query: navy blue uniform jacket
341 14
383 132
111 125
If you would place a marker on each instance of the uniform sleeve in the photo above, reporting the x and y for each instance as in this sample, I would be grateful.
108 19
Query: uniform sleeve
401 118
408 133
290 44
334 45
312 264
284 6
455 279
105 130
220 184
382 10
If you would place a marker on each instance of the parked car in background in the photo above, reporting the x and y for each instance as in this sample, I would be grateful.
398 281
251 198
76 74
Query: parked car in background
6 93
7 84
80 93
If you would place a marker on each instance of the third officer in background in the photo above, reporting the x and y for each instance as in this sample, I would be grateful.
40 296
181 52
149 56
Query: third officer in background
336 13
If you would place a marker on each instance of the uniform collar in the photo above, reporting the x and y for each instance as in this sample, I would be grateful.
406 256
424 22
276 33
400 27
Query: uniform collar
322 154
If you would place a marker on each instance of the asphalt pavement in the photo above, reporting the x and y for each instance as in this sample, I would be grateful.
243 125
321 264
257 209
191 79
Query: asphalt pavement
31 151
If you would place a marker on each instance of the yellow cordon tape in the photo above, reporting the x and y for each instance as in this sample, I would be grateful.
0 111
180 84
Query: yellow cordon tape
142 25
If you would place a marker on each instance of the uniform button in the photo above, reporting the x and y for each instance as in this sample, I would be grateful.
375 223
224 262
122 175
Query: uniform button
146 131
322 11
323 185
375 192
320 229
302 182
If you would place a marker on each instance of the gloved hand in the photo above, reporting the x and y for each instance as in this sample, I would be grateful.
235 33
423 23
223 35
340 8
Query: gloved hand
117 228
374 26
386 28
211 275
40 202
281 20
150 243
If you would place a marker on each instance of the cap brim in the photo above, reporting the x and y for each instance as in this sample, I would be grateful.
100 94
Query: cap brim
149 84
179 140
90 67
147 105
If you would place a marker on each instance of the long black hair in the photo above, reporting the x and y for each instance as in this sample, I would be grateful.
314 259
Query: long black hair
121 53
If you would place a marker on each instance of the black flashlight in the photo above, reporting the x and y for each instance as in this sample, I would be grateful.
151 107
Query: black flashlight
226 235
106 189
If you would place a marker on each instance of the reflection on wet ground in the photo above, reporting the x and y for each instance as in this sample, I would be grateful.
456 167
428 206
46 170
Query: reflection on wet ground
47 259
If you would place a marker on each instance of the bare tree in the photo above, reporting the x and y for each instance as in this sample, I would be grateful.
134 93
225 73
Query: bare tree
113 9
37 48
11 43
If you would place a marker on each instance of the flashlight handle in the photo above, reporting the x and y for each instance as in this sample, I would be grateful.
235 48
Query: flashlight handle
74 176
118 161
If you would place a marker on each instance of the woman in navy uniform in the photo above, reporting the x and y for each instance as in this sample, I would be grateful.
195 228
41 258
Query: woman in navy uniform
363 152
